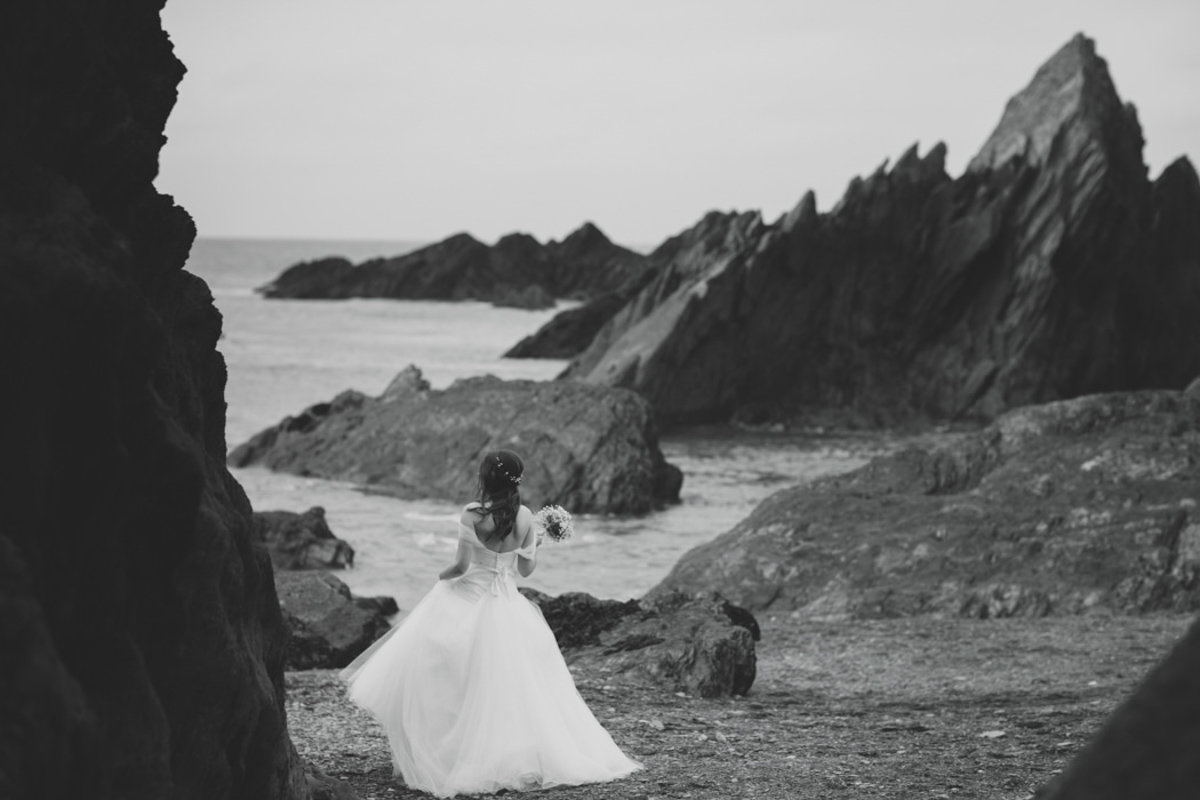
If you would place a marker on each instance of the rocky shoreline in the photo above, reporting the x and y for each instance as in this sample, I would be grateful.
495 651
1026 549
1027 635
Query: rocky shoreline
144 644
895 709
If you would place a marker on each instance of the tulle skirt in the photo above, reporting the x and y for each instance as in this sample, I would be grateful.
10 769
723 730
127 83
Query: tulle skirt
475 696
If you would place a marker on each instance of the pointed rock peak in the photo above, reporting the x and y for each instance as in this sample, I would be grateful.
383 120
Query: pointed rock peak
455 243
804 212
936 157
408 382
1181 171
720 223
1073 85
908 159
517 239
517 245
587 235
460 240
715 229
911 166
1177 194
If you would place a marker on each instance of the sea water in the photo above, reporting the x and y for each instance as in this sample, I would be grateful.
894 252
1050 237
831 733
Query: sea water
285 355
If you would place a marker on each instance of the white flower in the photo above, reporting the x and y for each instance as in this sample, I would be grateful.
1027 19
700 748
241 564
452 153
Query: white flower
555 522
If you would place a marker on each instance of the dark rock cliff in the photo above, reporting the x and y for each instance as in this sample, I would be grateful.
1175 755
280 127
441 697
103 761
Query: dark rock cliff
588 329
141 644
1051 268
583 265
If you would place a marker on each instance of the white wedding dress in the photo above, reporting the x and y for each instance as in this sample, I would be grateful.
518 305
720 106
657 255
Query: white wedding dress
474 693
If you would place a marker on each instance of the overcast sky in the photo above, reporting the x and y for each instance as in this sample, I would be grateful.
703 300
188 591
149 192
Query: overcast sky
416 119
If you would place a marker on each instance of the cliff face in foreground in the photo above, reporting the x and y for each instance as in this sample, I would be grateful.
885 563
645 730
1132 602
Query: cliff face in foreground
1052 268
141 644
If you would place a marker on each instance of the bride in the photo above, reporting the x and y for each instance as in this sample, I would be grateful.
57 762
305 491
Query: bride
471 688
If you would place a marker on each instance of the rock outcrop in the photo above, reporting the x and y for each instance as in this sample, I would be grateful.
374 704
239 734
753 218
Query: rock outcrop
570 332
589 264
1054 509
516 271
700 644
328 625
301 541
587 448
141 644
1050 269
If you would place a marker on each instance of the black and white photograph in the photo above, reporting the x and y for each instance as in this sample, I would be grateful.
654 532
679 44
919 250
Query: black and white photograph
660 400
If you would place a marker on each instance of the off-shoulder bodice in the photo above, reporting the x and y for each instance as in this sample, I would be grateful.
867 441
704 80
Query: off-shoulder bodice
489 572
489 559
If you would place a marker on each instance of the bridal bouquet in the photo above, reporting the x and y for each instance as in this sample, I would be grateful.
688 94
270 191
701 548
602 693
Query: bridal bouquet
555 522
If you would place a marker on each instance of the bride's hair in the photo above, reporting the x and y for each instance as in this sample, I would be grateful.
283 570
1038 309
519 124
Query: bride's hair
499 488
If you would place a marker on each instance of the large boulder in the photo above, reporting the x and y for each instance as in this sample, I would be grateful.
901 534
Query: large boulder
578 618
329 626
301 541
1053 267
516 271
141 643
700 644
1052 509
588 448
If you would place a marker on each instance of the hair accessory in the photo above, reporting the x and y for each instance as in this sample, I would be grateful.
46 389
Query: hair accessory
515 481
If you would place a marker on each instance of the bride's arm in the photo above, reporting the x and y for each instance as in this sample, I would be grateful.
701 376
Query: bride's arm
527 554
462 559
461 562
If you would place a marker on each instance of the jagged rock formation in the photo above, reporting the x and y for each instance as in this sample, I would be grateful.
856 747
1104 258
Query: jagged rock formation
569 332
141 640
698 644
301 541
517 270
1052 268
1054 509
678 260
589 448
